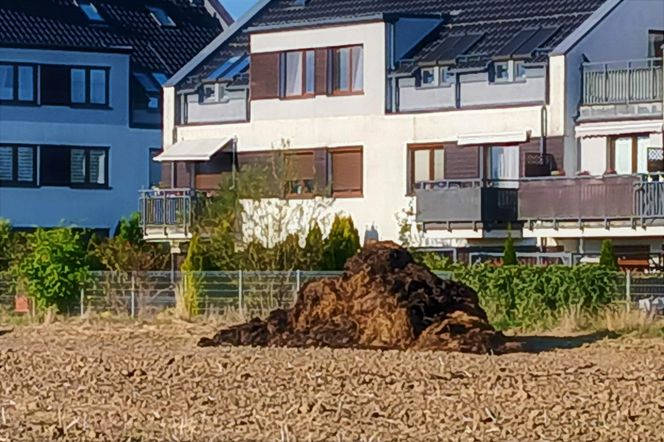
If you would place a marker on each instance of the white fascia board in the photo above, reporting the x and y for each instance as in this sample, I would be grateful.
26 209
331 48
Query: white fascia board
493 138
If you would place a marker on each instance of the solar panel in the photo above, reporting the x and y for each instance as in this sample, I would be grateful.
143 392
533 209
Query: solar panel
535 41
452 47
223 68
516 42
237 68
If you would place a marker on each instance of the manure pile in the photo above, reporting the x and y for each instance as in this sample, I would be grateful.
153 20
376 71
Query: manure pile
383 300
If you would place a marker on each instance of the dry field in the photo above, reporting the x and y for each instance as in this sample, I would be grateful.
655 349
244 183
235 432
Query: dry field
151 383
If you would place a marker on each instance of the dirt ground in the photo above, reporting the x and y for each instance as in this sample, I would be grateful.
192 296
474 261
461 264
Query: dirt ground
150 382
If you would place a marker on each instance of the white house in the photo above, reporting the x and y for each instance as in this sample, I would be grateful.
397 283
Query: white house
471 116
80 103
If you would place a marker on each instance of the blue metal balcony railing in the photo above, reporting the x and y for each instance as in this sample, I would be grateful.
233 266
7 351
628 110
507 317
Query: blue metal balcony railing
622 82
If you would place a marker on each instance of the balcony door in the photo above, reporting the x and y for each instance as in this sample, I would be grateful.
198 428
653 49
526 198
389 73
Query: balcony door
629 154
503 166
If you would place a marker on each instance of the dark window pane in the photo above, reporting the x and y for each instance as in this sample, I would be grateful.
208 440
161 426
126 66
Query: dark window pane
155 169
6 82
55 165
55 85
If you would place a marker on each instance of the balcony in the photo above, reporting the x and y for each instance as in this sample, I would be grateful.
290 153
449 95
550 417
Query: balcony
167 215
466 204
632 200
622 89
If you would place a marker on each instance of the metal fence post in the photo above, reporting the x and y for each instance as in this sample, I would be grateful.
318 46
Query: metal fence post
82 301
240 297
133 295
628 287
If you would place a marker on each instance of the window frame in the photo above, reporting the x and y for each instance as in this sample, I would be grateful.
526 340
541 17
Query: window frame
432 148
335 64
659 32
287 182
87 150
15 84
611 161
152 153
435 71
14 182
353 193
510 72
87 104
303 65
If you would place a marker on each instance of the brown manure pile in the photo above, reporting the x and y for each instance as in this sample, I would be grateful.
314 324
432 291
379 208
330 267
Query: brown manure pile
383 300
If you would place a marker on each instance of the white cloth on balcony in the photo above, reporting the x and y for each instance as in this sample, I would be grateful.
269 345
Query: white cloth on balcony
193 150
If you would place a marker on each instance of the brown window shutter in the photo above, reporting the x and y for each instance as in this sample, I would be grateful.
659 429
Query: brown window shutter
166 175
266 165
461 162
183 175
346 172
321 71
320 168
264 74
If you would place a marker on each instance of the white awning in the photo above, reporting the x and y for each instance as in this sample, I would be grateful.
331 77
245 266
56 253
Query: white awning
193 150
604 129
493 138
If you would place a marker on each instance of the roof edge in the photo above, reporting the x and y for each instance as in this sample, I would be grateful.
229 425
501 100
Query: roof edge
215 44
581 31
333 21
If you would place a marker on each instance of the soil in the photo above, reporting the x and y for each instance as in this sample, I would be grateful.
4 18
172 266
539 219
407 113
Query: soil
115 382
383 300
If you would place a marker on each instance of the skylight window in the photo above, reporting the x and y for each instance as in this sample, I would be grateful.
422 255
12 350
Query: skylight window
90 11
161 16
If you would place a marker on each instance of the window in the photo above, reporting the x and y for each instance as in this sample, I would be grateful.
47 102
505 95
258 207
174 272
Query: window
161 16
213 93
655 42
299 74
89 86
74 166
346 165
18 83
90 11
348 70
300 173
446 77
427 163
503 73
17 166
628 155
429 77
520 70
155 169
503 165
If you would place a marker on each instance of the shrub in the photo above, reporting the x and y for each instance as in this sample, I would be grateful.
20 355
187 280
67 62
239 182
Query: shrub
6 245
607 257
342 243
54 269
190 289
129 229
313 247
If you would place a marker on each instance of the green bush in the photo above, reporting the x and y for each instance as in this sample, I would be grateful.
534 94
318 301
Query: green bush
129 229
342 243
55 268
313 247
607 257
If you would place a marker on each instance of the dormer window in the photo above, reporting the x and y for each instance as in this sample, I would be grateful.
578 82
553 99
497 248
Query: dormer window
429 77
90 11
446 76
520 70
503 73
161 16
213 93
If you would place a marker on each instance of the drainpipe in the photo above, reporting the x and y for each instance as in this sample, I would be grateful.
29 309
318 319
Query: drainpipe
234 165
544 115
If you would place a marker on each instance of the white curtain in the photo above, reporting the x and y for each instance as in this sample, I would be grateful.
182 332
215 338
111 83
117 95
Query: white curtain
293 73
622 156
358 68
642 146
505 165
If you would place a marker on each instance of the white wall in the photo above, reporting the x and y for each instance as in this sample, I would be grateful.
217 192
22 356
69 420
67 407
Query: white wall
61 125
371 102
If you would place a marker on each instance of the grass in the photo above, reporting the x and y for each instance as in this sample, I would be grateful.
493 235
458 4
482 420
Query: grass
619 317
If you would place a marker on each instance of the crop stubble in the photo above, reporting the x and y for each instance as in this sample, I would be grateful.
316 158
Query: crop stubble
120 382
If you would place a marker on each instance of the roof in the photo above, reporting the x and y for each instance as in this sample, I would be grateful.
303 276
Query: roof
61 24
496 20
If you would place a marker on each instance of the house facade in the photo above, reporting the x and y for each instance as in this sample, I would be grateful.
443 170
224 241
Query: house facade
451 123
80 103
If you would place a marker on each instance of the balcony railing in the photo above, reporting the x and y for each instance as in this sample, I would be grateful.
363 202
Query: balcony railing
467 202
167 214
624 82
635 198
